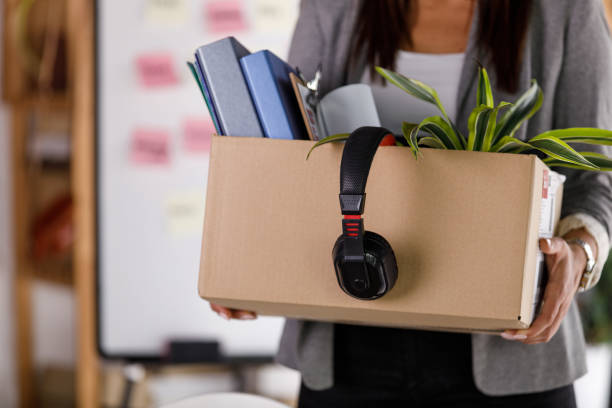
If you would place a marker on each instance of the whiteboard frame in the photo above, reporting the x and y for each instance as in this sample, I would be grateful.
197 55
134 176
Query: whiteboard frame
140 358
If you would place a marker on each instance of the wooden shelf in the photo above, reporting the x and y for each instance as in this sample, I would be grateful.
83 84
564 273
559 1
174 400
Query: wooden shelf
34 48
55 270
24 101
54 101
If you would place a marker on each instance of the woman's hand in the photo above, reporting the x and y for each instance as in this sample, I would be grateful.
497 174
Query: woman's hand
228 313
565 264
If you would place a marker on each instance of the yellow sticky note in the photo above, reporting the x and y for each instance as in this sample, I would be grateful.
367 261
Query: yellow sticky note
166 12
185 213
275 15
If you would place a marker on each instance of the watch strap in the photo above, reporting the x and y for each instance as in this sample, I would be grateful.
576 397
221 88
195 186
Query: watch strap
587 274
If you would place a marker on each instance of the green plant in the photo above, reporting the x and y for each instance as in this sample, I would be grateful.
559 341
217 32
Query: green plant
493 128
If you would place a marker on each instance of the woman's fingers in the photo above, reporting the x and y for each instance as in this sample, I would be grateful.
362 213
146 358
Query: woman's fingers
550 246
224 312
565 264
546 335
228 313
244 315
558 295
550 309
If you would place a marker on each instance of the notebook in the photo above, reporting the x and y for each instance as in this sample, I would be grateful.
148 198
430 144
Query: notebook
267 77
340 111
229 94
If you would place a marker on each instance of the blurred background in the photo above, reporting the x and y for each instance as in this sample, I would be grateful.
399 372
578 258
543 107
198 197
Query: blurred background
99 244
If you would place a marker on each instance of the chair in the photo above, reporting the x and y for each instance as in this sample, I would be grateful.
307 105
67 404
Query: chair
226 400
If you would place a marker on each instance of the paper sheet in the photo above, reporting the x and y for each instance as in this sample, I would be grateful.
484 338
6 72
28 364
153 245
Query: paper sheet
197 134
185 213
166 12
347 108
223 16
149 146
155 70
274 15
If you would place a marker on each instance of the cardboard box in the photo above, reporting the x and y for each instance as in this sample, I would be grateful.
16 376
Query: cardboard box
463 226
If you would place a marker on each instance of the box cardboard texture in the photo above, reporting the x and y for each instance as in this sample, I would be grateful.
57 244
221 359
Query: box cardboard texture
463 226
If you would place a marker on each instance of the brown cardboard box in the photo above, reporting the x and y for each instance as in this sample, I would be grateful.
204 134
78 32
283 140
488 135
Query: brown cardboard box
463 226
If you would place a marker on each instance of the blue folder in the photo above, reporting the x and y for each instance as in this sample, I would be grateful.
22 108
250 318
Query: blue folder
229 95
267 77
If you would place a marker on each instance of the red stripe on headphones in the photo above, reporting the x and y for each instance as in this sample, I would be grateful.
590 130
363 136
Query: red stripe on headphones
352 217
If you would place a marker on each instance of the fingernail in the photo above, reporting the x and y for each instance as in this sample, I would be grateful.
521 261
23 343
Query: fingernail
509 336
246 316
520 337
549 242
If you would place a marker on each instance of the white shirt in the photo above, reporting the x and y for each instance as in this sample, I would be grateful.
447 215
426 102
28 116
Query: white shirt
440 71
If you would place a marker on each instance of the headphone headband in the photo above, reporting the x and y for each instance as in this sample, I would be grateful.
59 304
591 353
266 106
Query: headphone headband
357 159
364 261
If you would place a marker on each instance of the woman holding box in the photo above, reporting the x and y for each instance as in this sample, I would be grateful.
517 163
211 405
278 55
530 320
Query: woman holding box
565 45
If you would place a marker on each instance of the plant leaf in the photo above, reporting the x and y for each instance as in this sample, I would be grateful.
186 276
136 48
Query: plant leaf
524 108
510 144
329 139
558 149
603 163
443 131
491 126
481 124
478 125
421 91
413 87
484 94
430 141
410 132
580 135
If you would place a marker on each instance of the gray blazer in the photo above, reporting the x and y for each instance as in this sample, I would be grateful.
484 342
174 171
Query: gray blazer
569 52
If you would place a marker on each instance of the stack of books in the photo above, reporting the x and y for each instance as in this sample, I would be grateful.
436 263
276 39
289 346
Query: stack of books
248 94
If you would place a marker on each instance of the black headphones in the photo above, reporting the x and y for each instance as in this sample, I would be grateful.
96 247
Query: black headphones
365 263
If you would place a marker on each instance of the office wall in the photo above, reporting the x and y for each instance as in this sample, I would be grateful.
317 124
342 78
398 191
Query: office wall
7 377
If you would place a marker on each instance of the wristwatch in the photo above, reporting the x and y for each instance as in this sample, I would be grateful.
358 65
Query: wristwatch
587 275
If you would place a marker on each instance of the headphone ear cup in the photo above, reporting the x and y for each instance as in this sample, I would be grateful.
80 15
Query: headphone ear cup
379 248
379 261
338 251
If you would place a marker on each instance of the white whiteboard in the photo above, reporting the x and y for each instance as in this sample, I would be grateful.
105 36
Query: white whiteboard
150 214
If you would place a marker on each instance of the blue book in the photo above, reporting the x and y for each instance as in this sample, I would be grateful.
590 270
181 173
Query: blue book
222 77
267 77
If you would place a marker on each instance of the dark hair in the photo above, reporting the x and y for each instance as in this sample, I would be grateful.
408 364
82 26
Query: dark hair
384 25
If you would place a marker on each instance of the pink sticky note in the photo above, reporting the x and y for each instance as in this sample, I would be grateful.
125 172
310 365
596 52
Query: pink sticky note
148 146
223 16
156 70
197 133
